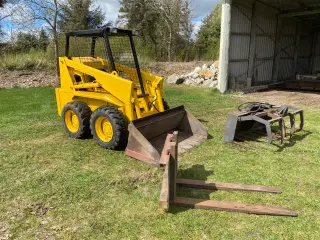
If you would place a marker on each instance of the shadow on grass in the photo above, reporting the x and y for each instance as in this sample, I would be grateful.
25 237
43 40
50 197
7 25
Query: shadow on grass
292 141
244 138
197 172
203 120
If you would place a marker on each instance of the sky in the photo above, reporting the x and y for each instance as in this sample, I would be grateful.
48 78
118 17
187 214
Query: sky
200 9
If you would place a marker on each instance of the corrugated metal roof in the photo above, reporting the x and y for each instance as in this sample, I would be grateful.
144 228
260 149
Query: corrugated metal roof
286 5
311 19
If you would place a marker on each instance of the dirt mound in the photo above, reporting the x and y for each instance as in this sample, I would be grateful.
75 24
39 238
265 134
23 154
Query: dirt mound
26 79
165 69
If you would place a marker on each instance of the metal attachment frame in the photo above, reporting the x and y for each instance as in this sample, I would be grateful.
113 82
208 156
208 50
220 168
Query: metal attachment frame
235 118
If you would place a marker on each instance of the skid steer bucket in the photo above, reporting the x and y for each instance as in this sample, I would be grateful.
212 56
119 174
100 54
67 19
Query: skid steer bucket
147 136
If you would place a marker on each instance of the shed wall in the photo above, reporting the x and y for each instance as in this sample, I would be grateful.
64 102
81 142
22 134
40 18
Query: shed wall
240 43
316 65
259 24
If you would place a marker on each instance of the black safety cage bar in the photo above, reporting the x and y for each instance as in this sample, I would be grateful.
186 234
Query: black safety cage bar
106 33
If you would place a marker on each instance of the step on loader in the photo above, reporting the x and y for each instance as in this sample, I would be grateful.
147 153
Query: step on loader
104 93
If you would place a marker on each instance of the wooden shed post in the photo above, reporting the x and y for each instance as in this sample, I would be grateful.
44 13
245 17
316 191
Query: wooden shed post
296 50
277 51
313 53
253 40
224 46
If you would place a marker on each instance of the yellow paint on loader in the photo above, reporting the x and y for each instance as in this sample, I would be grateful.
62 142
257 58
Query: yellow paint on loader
111 98
108 89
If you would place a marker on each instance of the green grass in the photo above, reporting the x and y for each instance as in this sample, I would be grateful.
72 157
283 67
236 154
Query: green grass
54 187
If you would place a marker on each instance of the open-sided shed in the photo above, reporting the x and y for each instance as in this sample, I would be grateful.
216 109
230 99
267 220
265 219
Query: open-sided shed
270 42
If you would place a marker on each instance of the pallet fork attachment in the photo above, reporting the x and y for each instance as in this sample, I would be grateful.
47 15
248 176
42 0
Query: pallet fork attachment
170 182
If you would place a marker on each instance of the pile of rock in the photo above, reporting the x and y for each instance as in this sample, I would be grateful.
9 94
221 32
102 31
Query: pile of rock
205 76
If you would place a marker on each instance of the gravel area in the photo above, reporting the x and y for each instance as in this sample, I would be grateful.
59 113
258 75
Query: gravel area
26 79
286 97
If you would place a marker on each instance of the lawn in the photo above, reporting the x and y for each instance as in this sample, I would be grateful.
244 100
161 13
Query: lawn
54 187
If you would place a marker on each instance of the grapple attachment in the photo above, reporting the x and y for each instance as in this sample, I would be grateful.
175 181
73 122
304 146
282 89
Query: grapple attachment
256 120
147 136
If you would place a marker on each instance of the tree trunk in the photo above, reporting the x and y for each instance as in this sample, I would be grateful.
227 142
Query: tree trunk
186 57
56 43
169 45
56 56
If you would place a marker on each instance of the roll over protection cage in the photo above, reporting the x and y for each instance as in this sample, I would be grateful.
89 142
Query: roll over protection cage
106 33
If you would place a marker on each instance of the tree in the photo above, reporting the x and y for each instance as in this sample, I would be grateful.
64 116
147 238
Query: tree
43 41
162 24
77 14
187 29
2 2
25 42
3 15
141 16
170 12
208 37
39 11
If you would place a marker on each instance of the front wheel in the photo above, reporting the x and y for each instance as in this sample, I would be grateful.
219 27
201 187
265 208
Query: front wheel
108 127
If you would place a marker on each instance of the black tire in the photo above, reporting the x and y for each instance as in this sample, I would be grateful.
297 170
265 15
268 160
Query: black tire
83 113
118 123
165 105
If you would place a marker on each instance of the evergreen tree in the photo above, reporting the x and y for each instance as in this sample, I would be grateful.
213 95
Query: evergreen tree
25 42
208 37
163 25
43 41
2 2
76 15
140 16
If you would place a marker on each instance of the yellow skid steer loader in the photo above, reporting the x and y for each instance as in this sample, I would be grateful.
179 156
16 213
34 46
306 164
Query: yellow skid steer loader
104 93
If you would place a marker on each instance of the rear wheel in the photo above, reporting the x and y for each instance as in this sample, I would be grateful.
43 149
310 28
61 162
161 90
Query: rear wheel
76 119
108 127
